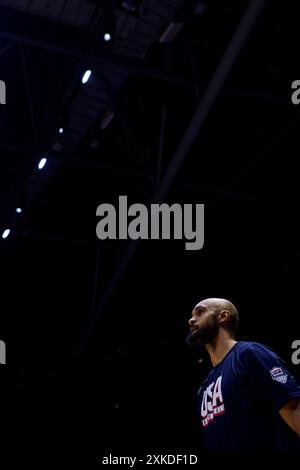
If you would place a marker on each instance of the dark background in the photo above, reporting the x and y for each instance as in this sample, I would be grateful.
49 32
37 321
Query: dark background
96 358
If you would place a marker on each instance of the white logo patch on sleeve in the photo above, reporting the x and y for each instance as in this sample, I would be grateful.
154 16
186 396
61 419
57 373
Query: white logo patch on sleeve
278 374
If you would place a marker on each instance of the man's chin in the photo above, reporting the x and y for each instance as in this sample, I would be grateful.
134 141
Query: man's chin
194 340
199 338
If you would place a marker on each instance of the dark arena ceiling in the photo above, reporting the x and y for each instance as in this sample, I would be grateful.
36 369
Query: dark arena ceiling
188 102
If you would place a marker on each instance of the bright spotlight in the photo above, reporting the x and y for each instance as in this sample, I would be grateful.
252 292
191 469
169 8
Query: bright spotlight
18 210
86 76
107 37
42 163
61 130
6 233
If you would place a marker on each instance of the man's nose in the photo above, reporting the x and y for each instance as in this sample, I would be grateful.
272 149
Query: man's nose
192 321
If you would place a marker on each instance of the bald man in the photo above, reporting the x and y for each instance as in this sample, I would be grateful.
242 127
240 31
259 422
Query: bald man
249 400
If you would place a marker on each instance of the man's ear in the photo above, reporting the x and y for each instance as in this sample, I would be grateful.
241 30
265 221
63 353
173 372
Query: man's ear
224 316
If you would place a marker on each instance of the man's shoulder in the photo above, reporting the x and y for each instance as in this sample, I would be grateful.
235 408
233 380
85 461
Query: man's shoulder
246 345
252 348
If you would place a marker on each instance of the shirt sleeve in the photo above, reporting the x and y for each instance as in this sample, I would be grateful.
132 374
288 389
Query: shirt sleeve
269 376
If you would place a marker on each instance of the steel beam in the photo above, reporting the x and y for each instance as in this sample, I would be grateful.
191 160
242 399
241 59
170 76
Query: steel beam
131 66
136 68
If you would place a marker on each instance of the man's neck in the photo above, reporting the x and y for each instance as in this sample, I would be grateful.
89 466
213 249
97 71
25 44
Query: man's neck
220 347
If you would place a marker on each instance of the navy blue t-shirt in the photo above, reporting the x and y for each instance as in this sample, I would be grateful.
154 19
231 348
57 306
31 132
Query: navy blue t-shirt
240 399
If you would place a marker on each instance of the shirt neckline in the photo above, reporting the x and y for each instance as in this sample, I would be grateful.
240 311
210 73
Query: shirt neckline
227 354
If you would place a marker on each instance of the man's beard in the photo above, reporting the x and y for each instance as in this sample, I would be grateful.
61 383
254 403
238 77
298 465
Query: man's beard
206 334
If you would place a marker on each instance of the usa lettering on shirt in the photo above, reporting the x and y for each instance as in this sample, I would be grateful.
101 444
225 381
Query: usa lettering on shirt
212 402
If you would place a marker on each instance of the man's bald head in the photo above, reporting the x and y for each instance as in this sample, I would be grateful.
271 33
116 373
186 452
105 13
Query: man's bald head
220 305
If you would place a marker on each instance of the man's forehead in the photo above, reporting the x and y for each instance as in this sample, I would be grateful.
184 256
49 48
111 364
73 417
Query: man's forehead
201 306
